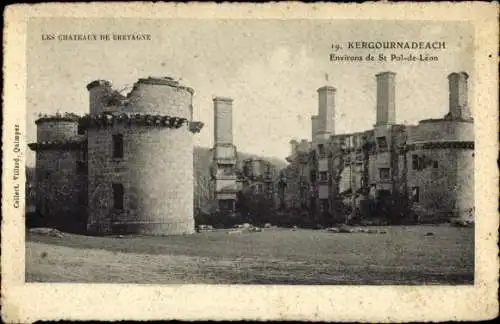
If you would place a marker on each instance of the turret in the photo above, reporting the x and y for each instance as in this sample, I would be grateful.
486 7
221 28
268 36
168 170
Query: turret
99 90
57 128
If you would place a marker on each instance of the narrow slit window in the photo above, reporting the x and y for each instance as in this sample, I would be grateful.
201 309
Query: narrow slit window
321 149
118 146
415 194
118 196
81 129
415 162
382 143
81 167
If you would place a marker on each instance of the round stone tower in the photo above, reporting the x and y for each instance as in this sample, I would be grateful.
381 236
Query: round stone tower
99 93
441 159
141 159
60 172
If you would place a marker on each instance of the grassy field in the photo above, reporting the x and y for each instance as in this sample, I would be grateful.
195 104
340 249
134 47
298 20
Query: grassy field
404 255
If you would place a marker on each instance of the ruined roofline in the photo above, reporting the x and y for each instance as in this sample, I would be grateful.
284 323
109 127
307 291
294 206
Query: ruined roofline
445 119
368 131
351 134
169 81
98 83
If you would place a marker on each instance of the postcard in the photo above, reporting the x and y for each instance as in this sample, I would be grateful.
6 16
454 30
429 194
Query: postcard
280 161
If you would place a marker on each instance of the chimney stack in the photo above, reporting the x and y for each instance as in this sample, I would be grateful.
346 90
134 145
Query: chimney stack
458 96
294 146
386 98
223 120
304 145
326 111
314 129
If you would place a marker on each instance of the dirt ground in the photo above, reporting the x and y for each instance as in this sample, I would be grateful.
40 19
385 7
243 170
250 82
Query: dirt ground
404 255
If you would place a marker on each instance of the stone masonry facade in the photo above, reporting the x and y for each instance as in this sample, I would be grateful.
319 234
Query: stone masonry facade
430 165
126 168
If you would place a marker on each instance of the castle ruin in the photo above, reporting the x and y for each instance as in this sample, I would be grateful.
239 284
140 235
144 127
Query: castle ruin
127 167
429 165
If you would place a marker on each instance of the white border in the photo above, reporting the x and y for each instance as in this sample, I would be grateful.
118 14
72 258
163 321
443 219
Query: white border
29 302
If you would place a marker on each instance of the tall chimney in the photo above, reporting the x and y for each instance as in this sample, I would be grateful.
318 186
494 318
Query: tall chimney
386 98
304 145
294 146
326 111
458 96
223 120
314 129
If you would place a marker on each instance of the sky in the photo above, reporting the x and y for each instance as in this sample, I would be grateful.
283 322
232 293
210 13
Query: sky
271 69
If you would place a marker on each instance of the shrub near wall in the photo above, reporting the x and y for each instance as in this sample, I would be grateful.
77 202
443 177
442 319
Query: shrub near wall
219 220
33 220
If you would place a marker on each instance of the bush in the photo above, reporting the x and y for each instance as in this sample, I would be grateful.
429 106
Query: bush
34 219
218 219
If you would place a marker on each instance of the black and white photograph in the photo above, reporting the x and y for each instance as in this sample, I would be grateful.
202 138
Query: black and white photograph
272 152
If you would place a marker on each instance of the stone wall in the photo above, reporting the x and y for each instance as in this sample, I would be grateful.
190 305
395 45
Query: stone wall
464 203
156 170
61 189
157 175
148 97
436 185
446 179
441 130
57 130
445 185
225 184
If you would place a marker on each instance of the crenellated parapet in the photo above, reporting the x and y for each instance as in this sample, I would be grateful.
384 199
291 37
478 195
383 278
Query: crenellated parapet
57 117
108 119
57 127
